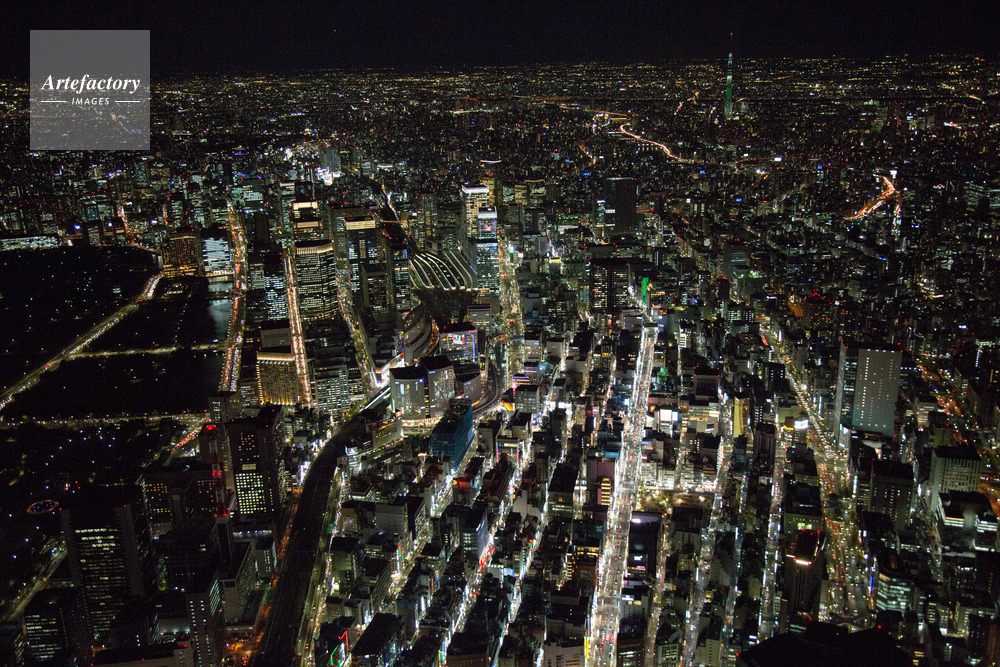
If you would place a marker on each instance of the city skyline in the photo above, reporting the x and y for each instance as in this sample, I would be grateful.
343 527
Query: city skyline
587 335
280 37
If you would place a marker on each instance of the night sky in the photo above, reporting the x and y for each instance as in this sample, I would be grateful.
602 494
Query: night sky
284 36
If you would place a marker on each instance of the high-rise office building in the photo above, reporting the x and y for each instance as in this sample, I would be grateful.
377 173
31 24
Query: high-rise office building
189 551
481 315
357 240
601 230
954 469
474 197
248 386
223 406
110 553
277 378
487 264
275 334
331 354
216 253
206 618
867 389
491 177
399 267
376 290
617 205
330 384
644 545
338 229
182 253
284 195
316 279
55 626
609 280
193 556
423 227
256 444
306 221
257 226
267 297
894 583
892 490
453 435
256 299
379 644
213 446
329 160
802 580
140 172
136 626
218 212
486 223
177 488
450 230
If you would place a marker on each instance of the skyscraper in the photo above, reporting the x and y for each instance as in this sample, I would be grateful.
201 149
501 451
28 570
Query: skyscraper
306 221
182 253
316 276
268 295
223 406
365 245
892 490
182 487
491 176
454 434
867 388
329 160
487 264
192 556
484 250
954 469
256 444
474 197
55 624
619 204
894 583
376 290
802 580
277 378
217 253
190 550
608 284
423 228
257 226
486 222
213 444
399 262
450 223
110 554
332 360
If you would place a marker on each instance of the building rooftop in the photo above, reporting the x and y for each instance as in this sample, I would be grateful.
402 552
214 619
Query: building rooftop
377 635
